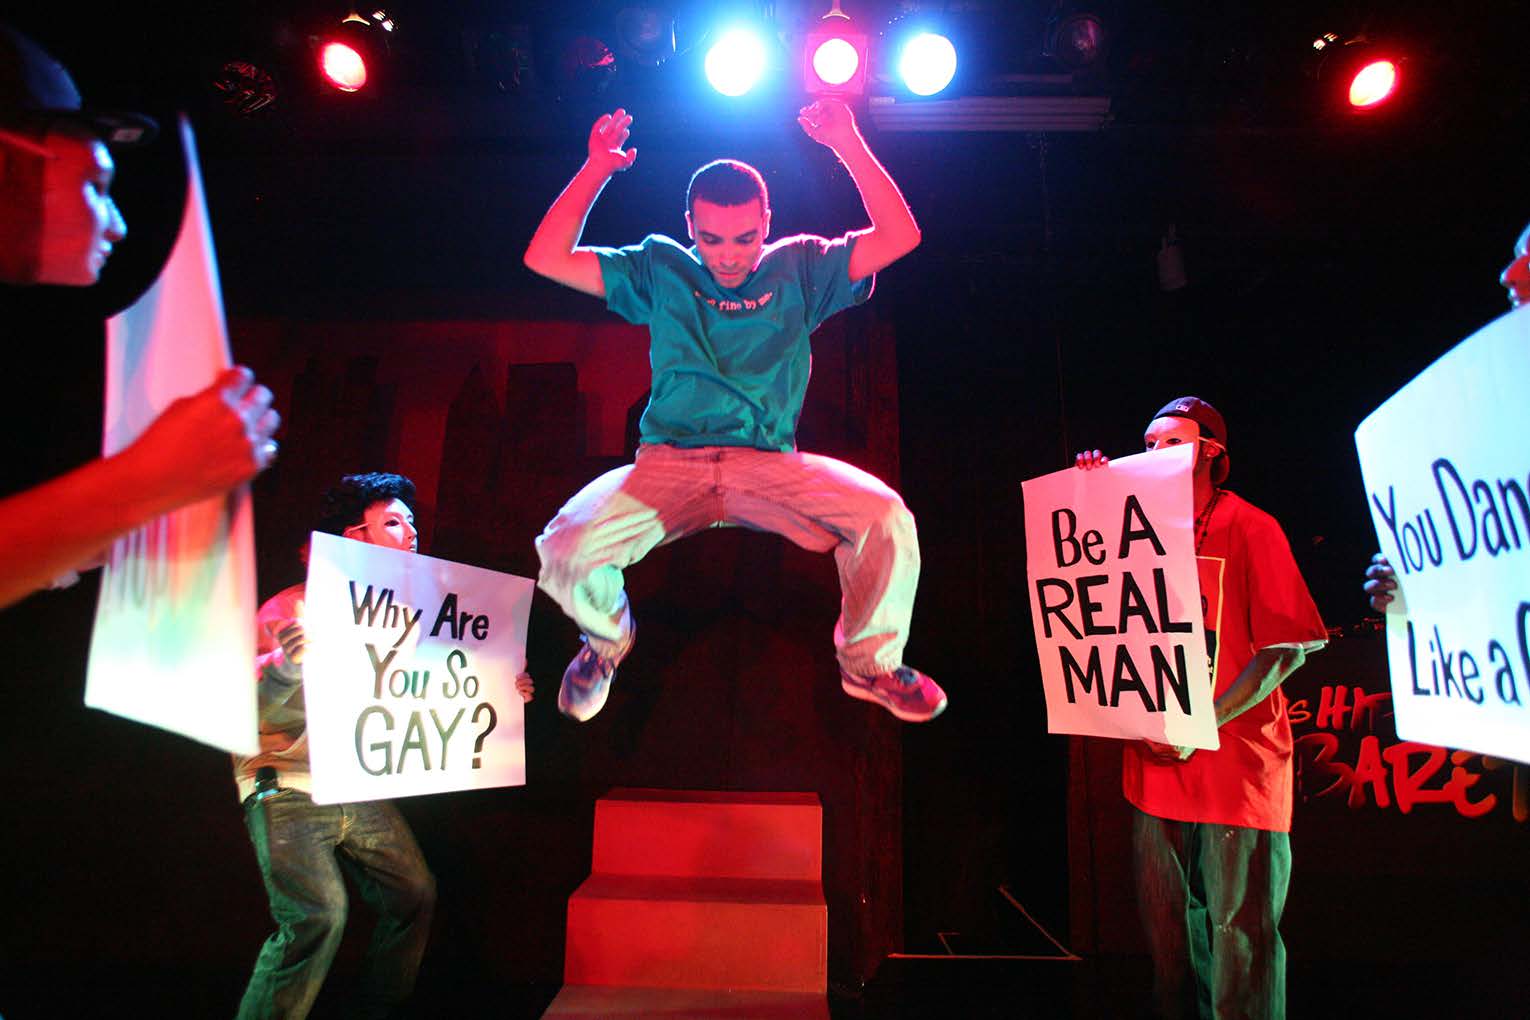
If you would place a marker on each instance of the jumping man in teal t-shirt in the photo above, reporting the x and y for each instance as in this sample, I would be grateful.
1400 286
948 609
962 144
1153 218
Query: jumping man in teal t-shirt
729 320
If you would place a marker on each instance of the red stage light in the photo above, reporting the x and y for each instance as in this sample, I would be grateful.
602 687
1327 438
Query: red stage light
834 57
343 66
836 61
1373 84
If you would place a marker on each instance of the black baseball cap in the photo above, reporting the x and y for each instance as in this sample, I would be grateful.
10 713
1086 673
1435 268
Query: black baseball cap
35 89
1211 423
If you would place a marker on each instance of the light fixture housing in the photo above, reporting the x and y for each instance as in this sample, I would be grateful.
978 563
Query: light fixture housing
835 56
1077 41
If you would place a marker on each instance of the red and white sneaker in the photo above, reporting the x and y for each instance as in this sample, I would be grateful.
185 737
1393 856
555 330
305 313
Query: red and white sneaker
905 692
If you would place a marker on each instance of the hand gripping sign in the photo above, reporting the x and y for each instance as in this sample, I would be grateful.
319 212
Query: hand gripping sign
1446 463
1116 600
409 673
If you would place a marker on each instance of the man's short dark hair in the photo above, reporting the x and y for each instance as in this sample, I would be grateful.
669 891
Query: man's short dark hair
346 504
727 182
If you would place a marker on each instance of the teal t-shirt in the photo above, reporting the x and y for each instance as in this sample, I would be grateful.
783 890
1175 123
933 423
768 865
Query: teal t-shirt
730 366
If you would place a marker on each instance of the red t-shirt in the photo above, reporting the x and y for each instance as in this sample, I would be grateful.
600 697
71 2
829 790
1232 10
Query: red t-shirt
1252 597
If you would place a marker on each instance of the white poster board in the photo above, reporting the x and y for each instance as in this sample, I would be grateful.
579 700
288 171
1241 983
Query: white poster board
409 674
1446 463
174 638
1116 600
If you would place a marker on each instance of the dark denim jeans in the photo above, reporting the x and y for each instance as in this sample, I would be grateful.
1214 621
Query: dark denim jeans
1211 897
302 848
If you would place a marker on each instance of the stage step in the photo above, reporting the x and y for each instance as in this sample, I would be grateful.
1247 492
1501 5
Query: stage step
698 933
702 890
709 833
589 1002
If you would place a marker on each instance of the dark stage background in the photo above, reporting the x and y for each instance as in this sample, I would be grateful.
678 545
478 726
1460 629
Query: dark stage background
371 265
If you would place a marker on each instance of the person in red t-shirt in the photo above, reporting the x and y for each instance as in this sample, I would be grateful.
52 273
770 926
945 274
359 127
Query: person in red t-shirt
1211 830
58 227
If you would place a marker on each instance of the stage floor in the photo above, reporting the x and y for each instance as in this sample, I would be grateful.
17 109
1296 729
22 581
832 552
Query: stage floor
1492 988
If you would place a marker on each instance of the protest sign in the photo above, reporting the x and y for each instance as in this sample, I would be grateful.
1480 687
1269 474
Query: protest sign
409 674
174 638
1116 600
1446 464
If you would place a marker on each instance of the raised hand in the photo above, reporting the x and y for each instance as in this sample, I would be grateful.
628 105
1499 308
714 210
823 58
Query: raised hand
607 137
828 122
1380 583
1088 460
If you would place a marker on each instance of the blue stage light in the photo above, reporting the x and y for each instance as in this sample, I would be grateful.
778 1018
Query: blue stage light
927 63
736 62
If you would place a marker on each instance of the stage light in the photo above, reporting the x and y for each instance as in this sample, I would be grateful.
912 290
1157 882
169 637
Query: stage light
736 62
352 53
1077 41
1358 77
927 63
586 66
645 34
835 61
1373 84
343 66
246 87
834 54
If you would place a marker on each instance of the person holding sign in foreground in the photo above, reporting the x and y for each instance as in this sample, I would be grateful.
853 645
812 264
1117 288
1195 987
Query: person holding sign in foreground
1211 831
1380 578
58 226
302 847
729 320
